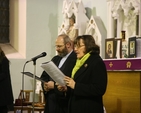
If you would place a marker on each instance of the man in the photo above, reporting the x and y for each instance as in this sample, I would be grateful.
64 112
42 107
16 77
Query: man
56 101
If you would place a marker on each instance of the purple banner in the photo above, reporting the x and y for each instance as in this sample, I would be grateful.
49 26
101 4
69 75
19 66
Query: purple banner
132 64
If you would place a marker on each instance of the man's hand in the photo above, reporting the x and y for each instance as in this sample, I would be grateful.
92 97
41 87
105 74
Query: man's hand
62 88
48 85
45 86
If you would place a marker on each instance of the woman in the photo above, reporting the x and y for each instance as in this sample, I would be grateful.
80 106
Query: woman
6 93
89 78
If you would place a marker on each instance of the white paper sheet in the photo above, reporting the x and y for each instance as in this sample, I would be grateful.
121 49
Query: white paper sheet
54 72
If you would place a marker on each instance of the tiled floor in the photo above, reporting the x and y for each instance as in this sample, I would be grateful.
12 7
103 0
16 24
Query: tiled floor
17 112
23 112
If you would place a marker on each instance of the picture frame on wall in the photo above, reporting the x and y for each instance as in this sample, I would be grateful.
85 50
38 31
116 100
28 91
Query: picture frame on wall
118 47
132 47
110 48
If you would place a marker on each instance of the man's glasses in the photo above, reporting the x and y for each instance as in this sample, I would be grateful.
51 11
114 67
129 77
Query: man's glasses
59 46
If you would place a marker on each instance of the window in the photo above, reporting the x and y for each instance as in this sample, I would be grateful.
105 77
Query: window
4 21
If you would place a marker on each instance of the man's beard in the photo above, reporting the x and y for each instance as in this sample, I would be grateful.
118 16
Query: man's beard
63 53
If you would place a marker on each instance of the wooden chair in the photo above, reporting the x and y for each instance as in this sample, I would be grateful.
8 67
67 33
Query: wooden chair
41 97
39 106
29 107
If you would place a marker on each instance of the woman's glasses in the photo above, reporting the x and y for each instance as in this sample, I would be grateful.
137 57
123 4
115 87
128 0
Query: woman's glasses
78 46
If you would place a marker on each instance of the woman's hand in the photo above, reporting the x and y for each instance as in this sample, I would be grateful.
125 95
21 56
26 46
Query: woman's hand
69 82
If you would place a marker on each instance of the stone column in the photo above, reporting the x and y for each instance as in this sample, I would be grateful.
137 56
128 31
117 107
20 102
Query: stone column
110 23
140 20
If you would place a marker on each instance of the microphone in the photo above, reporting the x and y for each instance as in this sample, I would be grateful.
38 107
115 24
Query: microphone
36 57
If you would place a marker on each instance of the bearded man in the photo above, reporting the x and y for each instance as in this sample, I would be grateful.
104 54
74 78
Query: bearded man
56 101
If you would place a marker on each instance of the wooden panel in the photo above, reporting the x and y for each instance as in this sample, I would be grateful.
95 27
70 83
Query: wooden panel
123 92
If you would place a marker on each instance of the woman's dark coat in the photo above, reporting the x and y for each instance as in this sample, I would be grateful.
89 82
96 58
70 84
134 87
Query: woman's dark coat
91 82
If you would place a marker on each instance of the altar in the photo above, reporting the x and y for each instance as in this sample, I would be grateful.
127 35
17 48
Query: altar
127 64
124 86
124 74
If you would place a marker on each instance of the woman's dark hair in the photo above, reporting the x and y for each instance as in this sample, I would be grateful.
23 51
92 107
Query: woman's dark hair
89 43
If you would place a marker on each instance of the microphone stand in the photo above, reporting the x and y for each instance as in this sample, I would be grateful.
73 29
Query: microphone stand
34 63
34 76
22 92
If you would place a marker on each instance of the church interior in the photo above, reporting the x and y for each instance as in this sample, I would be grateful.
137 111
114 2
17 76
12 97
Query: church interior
35 24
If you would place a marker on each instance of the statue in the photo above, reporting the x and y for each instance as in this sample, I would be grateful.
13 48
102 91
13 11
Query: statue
72 30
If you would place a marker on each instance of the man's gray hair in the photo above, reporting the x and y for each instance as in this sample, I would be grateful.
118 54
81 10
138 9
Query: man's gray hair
66 38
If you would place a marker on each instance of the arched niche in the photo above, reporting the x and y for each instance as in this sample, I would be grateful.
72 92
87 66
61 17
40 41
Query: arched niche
96 28
78 10
93 26
123 15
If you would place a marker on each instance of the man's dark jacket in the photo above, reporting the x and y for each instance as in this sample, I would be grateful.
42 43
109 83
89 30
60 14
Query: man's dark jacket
57 102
